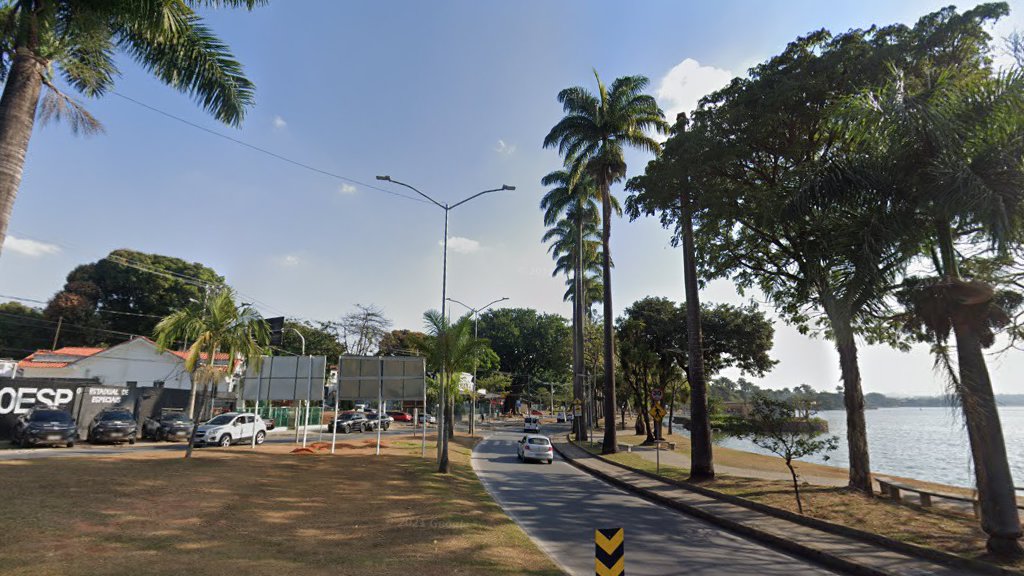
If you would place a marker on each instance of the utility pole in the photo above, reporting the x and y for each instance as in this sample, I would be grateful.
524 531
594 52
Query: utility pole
442 433
476 336
57 334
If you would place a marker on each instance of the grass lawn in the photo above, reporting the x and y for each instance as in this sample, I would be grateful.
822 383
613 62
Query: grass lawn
267 512
942 529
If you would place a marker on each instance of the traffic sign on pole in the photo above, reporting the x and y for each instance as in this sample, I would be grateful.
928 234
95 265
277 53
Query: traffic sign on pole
657 412
656 394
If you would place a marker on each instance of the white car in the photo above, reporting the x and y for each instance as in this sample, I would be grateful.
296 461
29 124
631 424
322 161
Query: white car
535 447
430 419
531 424
231 428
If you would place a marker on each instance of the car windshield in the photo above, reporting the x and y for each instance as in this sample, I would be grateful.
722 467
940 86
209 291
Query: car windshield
50 416
116 416
222 419
351 416
538 441
175 418
531 420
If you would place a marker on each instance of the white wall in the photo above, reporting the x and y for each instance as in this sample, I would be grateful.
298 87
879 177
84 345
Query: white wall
135 361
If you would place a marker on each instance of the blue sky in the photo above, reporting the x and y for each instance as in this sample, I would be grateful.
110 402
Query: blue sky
453 97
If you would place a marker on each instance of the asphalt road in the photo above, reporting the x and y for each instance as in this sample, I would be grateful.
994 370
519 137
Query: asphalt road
560 507
85 449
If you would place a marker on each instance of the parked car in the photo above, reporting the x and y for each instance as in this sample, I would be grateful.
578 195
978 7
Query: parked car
113 425
560 417
170 425
398 416
385 421
231 428
346 422
430 419
531 424
535 447
45 426
269 423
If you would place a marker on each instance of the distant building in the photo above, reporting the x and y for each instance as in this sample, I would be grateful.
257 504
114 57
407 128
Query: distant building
135 363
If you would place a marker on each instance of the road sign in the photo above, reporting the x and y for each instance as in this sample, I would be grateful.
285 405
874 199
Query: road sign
657 412
656 394
609 552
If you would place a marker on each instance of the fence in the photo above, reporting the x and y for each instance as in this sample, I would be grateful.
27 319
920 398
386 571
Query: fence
284 416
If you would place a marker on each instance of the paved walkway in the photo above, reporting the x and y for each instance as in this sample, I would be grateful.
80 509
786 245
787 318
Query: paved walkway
871 558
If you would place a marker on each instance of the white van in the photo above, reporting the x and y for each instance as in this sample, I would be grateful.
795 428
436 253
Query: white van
531 424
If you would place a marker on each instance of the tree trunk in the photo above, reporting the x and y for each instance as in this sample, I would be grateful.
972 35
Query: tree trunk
610 445
796 486
646 417
444 466
999 516
449 417
702 466
17 117
853 398
577 333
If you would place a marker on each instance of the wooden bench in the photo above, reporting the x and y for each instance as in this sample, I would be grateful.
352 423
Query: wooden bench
892 490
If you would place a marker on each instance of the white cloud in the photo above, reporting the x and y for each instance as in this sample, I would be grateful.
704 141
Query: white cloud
347 189
686 83
288 261
506 149
461 245
30 248
279 123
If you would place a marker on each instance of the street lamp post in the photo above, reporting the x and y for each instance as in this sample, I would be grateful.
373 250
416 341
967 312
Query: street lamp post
476 336
442 432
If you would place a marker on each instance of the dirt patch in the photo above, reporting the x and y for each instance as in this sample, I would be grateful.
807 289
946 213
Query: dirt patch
350 513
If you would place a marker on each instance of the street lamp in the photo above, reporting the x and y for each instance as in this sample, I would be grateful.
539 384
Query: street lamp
442 450
476 336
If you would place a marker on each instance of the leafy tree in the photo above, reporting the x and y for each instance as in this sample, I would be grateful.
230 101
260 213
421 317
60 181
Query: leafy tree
402 343
23 330
530 345
772 425
322 339
129 292
78 39
954 129
451 348
213 326
755 159
591 138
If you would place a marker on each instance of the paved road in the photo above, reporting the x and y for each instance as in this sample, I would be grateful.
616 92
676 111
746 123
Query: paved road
560 506
86 449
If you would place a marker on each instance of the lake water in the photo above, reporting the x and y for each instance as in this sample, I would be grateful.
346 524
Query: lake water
923 443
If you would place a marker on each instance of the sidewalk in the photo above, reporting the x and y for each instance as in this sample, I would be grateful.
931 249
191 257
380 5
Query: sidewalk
836 550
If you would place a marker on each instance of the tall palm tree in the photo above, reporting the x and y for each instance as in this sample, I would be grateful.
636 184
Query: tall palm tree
217 325
960 139
76 40
451 348
577 202
591 138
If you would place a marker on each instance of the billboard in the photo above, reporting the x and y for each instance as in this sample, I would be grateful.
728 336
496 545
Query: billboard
285 378
392 377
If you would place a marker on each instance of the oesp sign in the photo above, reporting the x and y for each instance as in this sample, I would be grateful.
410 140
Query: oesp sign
19 400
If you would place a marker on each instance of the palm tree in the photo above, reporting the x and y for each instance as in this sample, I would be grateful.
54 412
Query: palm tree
217 325
959 138
77 40
591 139
451 348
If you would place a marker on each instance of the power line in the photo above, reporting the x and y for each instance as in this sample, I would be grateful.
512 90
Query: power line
23 299
23 319
265 151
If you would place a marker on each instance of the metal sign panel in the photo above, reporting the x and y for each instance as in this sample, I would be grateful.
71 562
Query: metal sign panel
394 377
286 378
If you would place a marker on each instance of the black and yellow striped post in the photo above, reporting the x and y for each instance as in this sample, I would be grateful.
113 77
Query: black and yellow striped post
609 549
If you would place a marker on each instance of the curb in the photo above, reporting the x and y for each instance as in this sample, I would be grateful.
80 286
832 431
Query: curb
827 559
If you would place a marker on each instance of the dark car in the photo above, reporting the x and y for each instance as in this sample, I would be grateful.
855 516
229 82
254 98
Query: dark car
269 423
169 426
113 425
349 421
384 421
45 427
